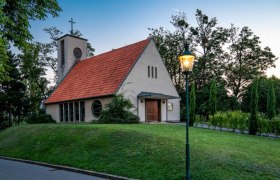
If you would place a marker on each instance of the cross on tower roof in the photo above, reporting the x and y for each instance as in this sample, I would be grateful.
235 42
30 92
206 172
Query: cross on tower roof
72 22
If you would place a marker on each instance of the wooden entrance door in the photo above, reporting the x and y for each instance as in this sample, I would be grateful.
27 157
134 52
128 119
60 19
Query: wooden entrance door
152 110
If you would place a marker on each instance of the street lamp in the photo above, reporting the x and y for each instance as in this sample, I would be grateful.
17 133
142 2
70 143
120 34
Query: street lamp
187 61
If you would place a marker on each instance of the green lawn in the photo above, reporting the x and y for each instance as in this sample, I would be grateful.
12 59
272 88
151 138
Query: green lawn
145 151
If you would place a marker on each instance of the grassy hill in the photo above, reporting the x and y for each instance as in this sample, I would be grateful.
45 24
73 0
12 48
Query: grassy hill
145 151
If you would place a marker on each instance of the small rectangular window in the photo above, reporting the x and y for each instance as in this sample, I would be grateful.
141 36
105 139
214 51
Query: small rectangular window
61 112
71 111
77 111
148 71
82 110
66 112
62 52
156 72
152 72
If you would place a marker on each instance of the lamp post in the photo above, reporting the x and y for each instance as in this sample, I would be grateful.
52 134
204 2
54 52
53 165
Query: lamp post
187 61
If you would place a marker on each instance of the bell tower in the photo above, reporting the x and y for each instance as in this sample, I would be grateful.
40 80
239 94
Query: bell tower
71 49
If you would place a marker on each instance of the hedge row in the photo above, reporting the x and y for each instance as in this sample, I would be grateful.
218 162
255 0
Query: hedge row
240 120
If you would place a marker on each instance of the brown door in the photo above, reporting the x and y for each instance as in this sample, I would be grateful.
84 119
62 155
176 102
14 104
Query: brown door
152 110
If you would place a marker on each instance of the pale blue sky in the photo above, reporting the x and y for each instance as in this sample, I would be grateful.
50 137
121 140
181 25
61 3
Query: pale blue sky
111 24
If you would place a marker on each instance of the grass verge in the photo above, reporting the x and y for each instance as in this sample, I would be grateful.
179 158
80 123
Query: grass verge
145 151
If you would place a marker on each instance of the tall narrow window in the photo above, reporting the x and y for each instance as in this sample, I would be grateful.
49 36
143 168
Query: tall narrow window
61 112
148 71
82 110
152 72
71 110
66 112
156 72
77 111
62 52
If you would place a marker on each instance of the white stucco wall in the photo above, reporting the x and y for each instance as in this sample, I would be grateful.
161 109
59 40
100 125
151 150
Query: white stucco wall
88 104
138 81
53 110
70 43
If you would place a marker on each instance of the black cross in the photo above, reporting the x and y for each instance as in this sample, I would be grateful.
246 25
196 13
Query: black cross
72 22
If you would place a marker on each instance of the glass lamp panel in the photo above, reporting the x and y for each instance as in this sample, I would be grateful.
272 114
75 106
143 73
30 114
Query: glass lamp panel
186 62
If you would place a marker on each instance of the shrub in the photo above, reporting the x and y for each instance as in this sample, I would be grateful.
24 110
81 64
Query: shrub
218 119
39 118
243 121
263 124
275 125
118 111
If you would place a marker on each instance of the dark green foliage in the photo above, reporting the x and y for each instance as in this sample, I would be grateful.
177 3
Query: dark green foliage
264 125
275 125
247 60
39 119
254 108
192 105
12 94
213 97
263 87
118 111
230 119
271 101
17 17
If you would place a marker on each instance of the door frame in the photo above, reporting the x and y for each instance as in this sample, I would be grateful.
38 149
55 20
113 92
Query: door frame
158 106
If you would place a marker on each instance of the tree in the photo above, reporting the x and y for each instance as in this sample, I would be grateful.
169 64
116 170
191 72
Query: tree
14 19
213 97
247 60
271 101
207 41
33 73
12 91
192 105
254 108
263 86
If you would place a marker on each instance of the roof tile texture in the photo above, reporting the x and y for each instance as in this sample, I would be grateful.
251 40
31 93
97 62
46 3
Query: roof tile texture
99 75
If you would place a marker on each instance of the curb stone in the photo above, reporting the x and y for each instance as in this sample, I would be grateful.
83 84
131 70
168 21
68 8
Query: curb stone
68 168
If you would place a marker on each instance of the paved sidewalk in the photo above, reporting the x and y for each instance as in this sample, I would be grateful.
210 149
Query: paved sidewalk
13 170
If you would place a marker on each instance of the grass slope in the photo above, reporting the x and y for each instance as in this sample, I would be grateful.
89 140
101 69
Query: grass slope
145 151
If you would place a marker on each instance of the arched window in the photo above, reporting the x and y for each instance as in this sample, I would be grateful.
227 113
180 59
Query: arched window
96 108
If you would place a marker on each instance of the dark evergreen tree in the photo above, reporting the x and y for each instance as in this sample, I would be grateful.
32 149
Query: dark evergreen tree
271 101
213 97
192 105
12 92
254 108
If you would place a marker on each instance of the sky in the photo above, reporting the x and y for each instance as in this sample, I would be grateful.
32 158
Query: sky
110 24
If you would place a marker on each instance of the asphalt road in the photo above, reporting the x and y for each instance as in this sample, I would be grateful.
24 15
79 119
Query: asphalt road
13 170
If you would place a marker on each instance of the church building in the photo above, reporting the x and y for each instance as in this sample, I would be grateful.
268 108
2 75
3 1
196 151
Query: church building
86 85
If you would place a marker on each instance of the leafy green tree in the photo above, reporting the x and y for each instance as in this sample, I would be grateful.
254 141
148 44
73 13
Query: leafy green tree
15 17
213 97
264 83
33 73
271 101
254 108
12 92
192 105
208 40
246 60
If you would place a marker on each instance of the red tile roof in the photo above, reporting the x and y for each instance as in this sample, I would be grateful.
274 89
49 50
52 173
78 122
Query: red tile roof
100 75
